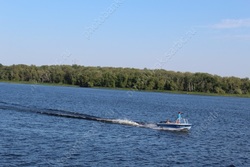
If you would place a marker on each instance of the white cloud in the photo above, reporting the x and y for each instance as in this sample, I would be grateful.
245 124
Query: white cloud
232 23
245 37
234 37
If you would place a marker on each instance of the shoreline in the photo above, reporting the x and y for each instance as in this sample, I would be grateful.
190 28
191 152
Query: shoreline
129 89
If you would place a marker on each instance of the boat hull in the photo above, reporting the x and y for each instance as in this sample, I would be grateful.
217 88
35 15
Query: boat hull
175 126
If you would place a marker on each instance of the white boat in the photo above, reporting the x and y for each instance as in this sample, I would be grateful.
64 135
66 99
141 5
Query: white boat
183 125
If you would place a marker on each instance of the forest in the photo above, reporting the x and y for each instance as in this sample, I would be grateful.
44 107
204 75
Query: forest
129 78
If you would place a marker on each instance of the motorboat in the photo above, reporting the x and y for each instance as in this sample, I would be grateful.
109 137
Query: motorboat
181 125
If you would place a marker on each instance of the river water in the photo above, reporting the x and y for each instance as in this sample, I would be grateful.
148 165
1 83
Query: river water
65 126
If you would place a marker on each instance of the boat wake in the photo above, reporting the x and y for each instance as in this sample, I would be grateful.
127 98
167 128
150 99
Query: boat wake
126 122
63 113
76 115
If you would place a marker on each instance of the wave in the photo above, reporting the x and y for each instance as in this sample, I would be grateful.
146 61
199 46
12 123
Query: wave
126 122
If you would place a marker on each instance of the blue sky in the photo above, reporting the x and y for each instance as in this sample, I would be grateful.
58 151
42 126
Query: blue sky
194 36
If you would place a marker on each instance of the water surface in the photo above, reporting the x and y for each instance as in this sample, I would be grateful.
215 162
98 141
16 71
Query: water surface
219 136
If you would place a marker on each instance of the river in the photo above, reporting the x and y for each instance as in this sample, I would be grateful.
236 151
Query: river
63 126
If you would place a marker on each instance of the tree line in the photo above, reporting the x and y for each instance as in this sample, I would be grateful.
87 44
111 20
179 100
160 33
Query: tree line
138 79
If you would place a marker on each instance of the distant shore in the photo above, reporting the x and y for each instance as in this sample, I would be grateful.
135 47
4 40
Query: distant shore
131 90
157 80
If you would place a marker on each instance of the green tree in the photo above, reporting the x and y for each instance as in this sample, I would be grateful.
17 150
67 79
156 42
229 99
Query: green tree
126 78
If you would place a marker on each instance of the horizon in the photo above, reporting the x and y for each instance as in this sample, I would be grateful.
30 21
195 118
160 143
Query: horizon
174 36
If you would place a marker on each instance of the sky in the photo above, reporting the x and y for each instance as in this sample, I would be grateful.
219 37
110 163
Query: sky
186 36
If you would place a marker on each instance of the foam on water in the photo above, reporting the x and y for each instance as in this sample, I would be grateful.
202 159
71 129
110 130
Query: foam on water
125 122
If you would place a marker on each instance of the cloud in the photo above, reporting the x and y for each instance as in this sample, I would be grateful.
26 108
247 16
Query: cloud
232 23
234 37
244 37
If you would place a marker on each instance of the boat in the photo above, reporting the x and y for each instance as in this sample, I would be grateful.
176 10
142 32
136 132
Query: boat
182 125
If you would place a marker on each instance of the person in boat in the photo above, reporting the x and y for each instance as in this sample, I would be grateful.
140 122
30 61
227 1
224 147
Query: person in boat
178 121
168 121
